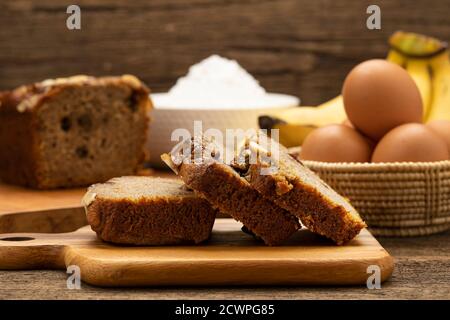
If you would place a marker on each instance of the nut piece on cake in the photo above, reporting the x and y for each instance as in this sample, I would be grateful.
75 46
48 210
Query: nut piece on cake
73 131
297 189
196 162
147 211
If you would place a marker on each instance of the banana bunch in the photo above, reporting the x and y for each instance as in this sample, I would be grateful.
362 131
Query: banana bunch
427 61
440 85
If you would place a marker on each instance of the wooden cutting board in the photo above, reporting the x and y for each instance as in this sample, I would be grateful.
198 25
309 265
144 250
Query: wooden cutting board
30 210
230 257
15 199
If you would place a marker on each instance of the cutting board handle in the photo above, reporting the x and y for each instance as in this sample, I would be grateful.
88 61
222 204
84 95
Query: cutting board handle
36 250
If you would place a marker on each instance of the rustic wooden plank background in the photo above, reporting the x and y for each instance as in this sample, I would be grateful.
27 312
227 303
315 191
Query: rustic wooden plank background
301 47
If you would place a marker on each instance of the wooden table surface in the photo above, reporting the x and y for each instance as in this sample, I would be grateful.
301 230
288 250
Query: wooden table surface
422 272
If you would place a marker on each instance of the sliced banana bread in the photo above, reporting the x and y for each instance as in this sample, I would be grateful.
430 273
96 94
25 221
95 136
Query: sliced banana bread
147 211
196 162
73 131
297 189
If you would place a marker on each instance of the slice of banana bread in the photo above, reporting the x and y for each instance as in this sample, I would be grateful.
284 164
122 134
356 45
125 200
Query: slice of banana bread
73 131
147 211
297 189
226 190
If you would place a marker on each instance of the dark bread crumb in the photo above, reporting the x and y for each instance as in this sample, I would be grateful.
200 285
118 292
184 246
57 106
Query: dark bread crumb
82 152
66 123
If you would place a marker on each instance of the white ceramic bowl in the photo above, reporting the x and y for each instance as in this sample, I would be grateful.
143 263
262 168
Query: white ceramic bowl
166 118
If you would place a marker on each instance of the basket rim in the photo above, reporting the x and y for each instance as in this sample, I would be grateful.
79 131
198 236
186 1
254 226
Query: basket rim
409 231
382 166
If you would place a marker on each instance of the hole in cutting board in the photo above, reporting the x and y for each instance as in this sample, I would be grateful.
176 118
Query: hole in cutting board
17 239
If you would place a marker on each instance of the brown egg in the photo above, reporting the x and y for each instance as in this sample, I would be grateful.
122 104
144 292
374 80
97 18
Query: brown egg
410 142
336 143
379 96
442 129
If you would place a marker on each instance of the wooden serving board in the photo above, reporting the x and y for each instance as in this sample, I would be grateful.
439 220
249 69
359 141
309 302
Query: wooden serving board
15 199
230 257
30 210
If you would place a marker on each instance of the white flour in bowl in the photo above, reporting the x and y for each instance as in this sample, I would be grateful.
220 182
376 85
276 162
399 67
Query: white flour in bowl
219 83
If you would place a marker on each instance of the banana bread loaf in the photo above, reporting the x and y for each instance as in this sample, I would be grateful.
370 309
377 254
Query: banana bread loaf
227 191
73 131
147 211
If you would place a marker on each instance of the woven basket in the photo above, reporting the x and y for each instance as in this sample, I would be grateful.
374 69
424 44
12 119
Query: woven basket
395 199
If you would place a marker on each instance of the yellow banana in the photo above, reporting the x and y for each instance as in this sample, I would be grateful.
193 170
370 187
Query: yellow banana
396 57
335 105
419 70
296 123
417 52
329 112
440 104
293 135
416 45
